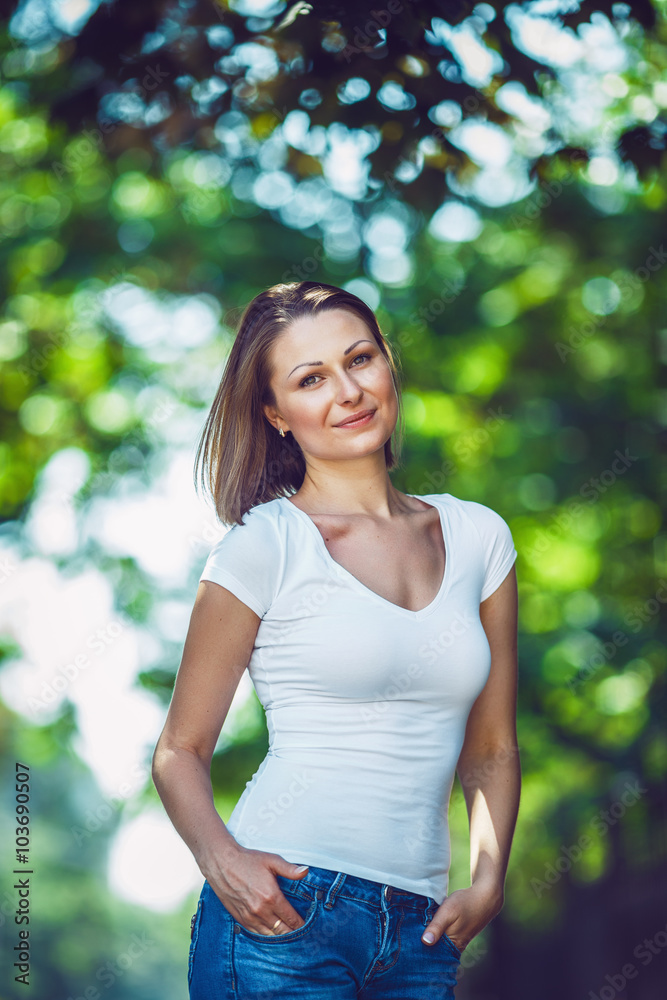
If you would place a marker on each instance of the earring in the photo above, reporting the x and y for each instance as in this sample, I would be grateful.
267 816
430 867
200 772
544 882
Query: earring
281 432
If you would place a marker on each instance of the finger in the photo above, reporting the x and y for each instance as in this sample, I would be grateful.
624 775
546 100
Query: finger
279 927
284 919
291 920
433 932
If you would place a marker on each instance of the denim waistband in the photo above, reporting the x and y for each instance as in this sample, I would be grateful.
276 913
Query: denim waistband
328 885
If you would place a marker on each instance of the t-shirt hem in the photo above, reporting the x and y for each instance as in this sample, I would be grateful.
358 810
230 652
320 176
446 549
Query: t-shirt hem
225 579
493 584
361 871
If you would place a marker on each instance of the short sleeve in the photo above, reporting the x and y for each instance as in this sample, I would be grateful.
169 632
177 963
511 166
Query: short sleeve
247 561
497 545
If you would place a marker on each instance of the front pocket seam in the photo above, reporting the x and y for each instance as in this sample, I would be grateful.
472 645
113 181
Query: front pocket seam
449 941
295 888
289 935
194 939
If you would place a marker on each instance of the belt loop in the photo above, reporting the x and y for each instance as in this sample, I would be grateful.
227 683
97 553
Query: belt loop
333 889
429 910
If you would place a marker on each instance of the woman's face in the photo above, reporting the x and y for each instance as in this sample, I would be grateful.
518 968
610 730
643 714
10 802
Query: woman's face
326 368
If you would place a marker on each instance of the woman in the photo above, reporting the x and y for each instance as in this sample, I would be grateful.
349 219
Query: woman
379 630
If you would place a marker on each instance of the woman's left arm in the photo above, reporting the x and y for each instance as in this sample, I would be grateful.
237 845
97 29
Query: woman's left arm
490 774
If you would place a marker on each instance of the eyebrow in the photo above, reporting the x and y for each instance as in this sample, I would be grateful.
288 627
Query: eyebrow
312 364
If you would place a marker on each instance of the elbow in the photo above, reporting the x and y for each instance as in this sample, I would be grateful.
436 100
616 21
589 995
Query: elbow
157 762
155 767
170 758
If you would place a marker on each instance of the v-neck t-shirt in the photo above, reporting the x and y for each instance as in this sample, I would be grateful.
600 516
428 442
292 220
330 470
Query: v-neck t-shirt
366 702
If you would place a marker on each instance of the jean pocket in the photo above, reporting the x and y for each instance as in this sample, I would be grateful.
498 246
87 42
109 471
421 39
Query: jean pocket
194 934
306 907
446 938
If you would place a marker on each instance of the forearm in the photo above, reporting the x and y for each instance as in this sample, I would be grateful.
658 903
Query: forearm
183 783
491 785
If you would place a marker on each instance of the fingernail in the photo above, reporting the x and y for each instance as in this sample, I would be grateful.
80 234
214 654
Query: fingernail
302 868
428 938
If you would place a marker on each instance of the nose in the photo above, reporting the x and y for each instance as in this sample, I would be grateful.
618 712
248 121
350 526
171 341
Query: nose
349 389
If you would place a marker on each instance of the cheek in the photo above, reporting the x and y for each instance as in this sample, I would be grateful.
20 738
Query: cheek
383 383
309 411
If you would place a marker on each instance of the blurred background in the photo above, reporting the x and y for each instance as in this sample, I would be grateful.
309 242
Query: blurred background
490 179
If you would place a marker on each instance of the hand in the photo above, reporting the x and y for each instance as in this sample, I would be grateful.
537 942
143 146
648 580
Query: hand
245 884
464 914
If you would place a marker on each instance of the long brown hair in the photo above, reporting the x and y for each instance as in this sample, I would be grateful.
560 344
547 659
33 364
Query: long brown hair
243 459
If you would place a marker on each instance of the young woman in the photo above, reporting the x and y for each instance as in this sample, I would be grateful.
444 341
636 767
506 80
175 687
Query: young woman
379 631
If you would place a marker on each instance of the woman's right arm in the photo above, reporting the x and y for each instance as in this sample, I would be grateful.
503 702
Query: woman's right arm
217 649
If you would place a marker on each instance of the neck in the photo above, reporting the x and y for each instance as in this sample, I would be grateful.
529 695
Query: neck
351 488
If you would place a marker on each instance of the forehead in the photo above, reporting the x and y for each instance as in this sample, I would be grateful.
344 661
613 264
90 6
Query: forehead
317 338
326 325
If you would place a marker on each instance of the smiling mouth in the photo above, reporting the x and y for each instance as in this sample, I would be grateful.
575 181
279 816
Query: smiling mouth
361 420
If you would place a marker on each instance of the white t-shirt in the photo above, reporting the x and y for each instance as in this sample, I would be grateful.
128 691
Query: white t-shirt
366 702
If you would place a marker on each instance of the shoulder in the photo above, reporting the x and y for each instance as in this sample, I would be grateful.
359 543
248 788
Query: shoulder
480 528
471 515
263 515
260 528
485 518
249 558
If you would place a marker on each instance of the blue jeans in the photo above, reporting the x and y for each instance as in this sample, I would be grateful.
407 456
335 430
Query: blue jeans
361 940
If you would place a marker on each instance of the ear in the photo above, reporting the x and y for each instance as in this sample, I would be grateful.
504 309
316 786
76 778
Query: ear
271 414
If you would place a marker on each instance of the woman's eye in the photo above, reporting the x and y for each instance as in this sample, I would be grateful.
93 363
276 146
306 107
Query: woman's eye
304 381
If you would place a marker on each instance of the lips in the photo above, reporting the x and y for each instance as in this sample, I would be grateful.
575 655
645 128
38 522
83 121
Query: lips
355 417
